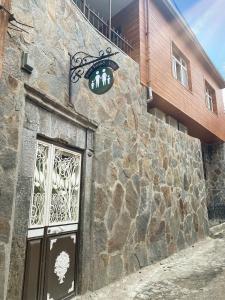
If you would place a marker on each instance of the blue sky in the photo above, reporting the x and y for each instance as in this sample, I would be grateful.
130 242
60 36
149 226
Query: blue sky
207 20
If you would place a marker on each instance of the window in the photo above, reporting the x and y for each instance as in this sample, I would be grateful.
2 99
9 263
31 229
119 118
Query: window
210 97
180 67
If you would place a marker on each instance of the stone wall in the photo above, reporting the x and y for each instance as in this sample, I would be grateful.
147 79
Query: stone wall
149 195
11 93
148 186
3 26
215 168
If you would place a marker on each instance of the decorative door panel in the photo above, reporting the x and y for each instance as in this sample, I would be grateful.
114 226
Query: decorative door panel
60 266
32 270
53 225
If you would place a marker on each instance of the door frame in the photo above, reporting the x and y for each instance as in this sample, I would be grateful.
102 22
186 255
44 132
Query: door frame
69 133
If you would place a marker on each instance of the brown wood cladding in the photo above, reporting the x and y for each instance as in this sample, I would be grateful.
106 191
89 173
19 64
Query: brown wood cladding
188 106
3 28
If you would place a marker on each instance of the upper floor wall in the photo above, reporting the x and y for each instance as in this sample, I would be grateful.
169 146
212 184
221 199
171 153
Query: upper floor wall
187 104
153 31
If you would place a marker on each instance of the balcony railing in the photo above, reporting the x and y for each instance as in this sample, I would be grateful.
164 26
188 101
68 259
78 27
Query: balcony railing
104 26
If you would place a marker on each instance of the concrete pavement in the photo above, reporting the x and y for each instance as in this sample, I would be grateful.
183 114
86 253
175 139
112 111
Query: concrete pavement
196 273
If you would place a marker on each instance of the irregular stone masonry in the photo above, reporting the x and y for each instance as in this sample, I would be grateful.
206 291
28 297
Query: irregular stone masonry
214 168
148 196
153 197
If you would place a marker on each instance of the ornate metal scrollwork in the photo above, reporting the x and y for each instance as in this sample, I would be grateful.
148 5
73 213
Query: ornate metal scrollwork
81 59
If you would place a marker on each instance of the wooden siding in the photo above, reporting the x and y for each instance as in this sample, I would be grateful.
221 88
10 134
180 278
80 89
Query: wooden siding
188 106
3 28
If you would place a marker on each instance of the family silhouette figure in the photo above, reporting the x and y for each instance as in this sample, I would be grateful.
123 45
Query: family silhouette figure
100 80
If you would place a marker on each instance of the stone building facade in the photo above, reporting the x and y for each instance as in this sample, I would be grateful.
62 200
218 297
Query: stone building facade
143 193
214 162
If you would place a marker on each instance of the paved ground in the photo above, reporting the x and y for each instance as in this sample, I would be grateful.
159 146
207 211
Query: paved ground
196 273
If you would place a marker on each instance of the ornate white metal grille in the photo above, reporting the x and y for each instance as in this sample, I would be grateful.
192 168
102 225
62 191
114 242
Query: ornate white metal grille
40 187
65 188
56 186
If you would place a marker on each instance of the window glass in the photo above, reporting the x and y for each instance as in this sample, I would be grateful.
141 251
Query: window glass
174 68
210 98
184 77
178 68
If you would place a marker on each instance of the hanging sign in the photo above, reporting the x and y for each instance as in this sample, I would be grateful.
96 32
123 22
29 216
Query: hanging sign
100 76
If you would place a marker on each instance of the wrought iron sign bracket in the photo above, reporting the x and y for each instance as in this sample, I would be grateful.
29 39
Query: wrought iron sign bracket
80 60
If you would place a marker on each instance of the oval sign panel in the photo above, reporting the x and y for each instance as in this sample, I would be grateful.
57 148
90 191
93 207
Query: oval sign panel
101 80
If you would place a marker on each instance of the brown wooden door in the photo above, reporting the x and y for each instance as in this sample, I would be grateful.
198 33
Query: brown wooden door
51 269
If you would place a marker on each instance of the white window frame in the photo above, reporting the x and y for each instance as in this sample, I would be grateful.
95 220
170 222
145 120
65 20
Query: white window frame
183 67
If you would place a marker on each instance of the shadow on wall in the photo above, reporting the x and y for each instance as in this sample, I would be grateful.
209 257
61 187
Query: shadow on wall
214 167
